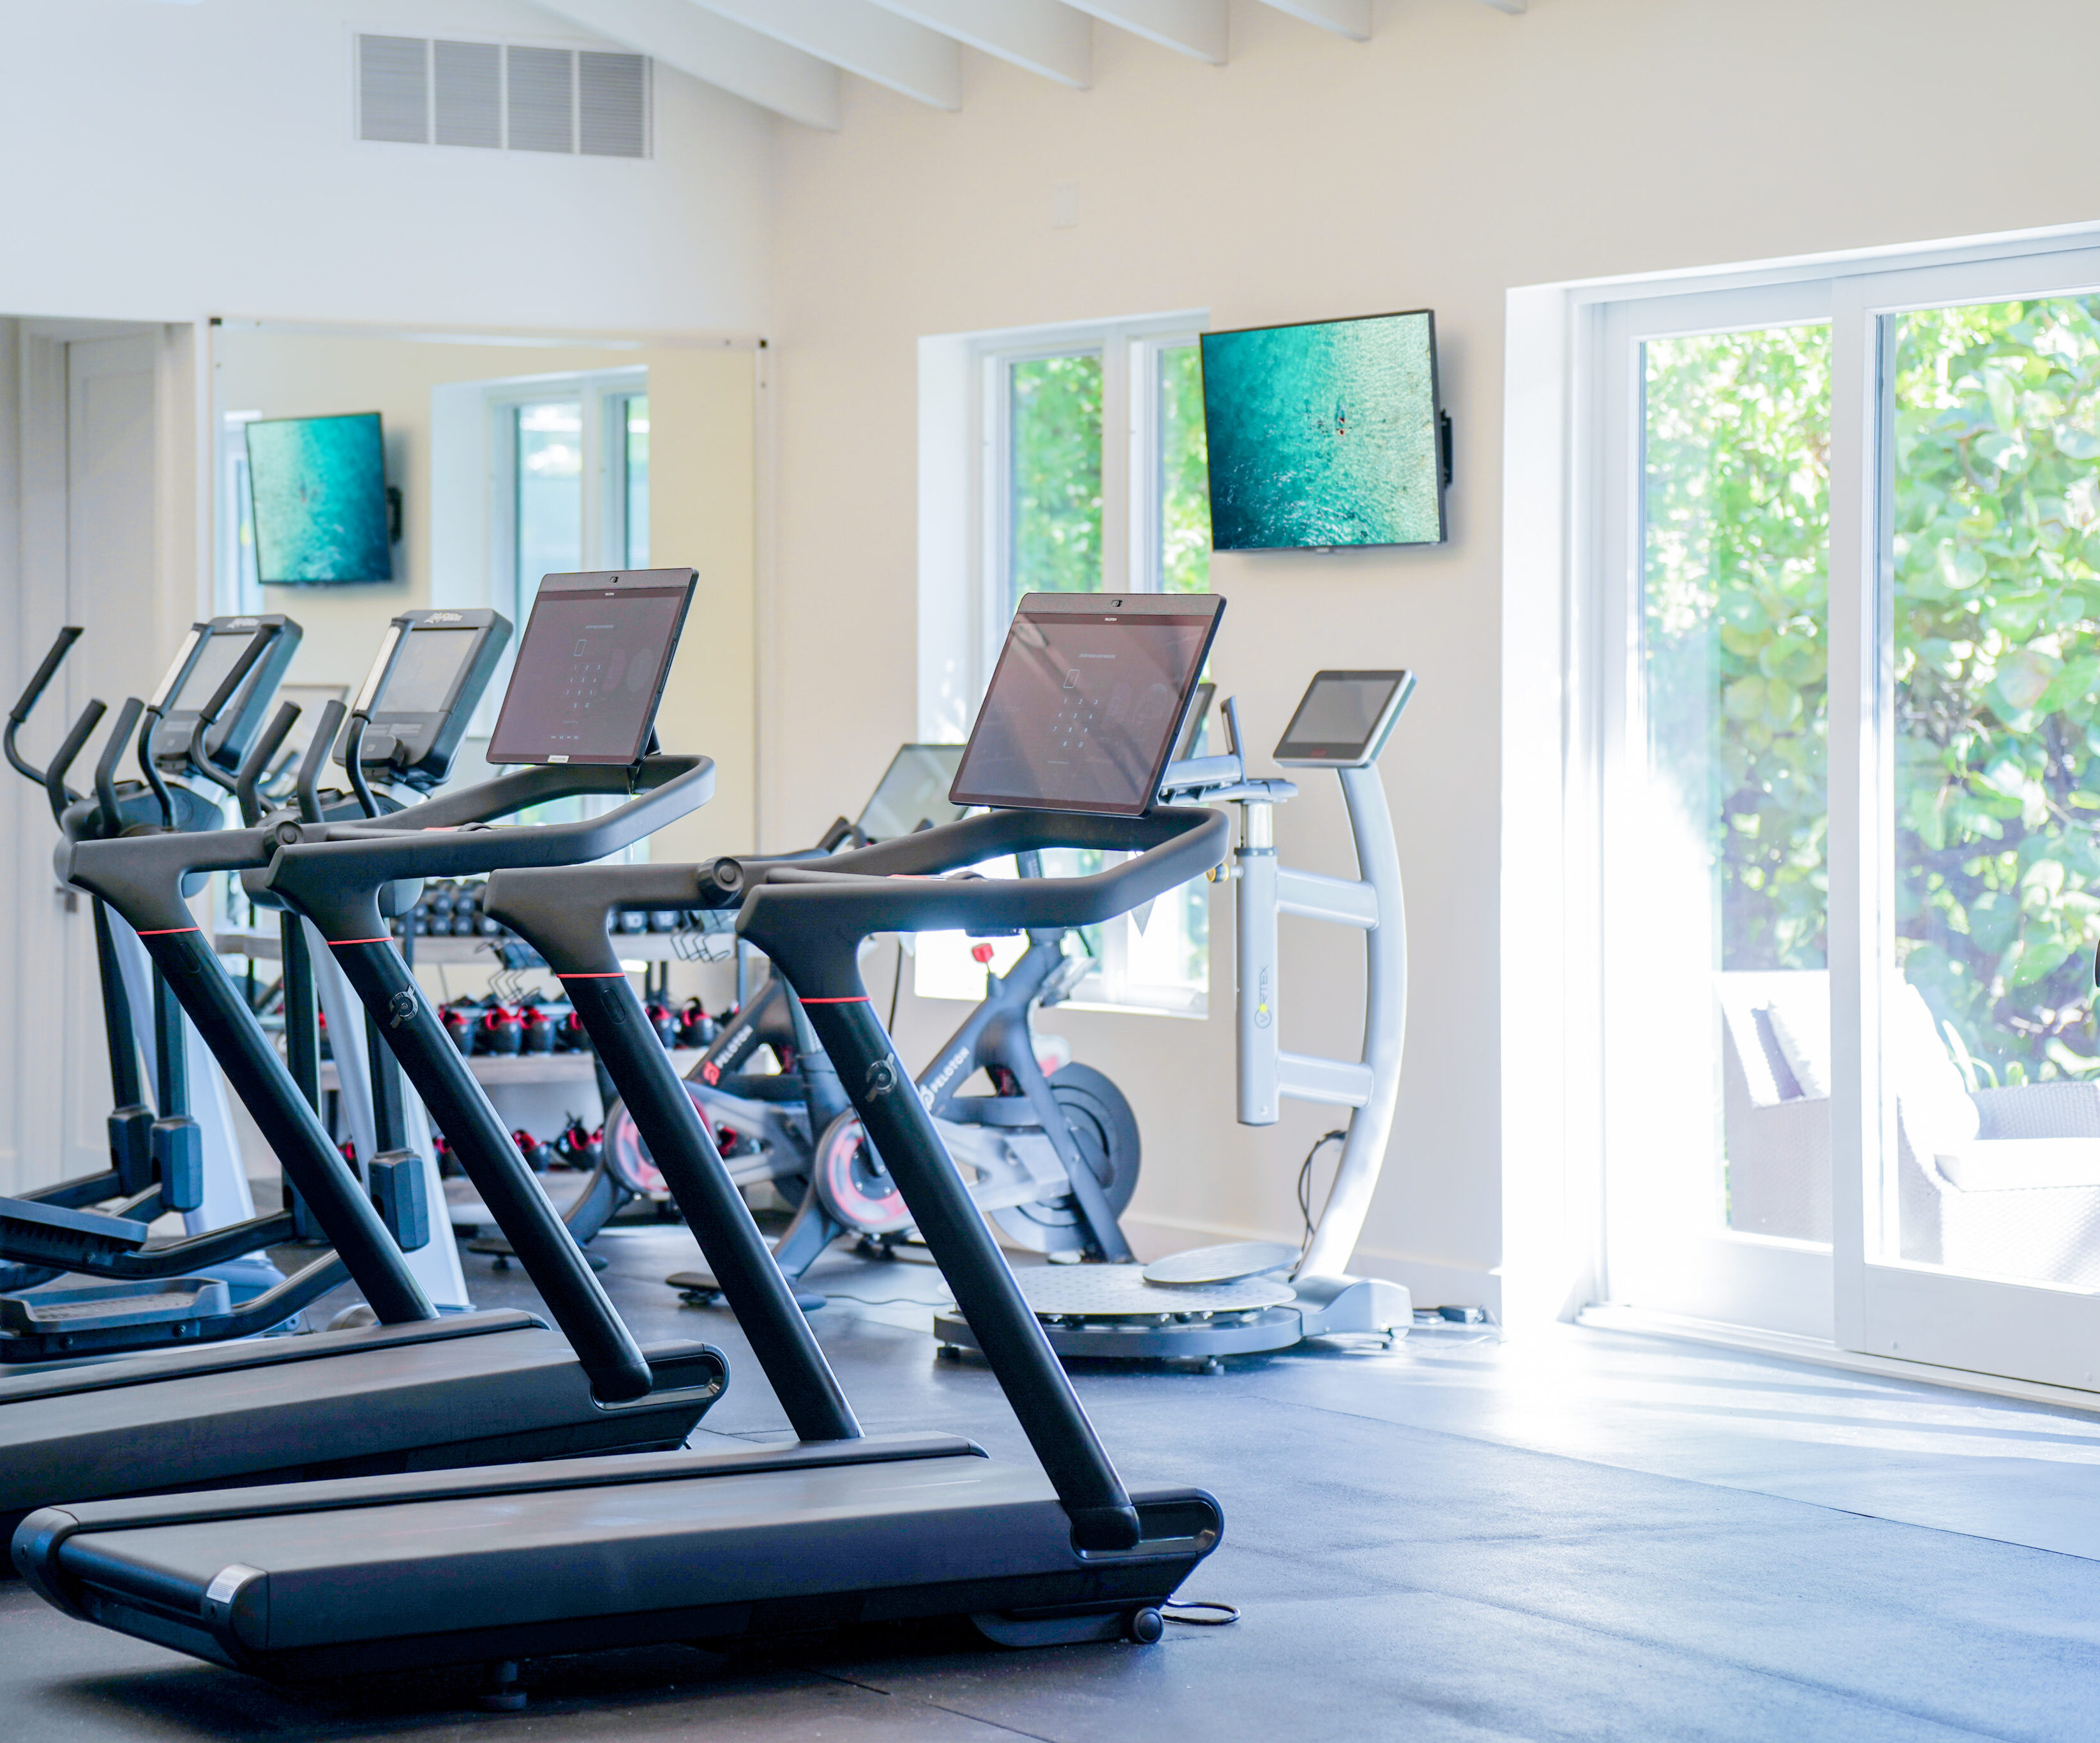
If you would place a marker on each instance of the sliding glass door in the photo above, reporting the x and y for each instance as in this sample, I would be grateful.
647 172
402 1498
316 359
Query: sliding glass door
1715 967
1848 717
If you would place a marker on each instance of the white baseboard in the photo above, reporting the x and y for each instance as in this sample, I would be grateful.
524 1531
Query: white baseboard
1604 1316
1432 1282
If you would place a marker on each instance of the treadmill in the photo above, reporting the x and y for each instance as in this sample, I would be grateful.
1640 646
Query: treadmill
415 1392
330 1579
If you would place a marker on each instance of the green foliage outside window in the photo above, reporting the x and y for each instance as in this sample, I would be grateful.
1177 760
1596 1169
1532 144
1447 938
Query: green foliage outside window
1055 511
1997 562
1736 624
1185 473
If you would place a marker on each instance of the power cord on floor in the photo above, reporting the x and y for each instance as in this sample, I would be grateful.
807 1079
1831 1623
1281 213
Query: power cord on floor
1305 1177
1214 1615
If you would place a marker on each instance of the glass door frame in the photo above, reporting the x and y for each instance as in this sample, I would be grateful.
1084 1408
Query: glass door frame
1711 1273
1884 1305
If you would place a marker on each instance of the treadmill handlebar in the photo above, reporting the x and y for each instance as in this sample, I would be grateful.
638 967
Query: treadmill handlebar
896 886
141 875
564 911
333 872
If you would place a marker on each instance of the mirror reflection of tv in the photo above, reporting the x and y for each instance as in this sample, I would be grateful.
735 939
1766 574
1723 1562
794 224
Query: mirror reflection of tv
318 486
1325 434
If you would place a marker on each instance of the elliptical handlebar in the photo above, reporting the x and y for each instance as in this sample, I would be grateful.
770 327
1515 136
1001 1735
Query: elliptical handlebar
55 786
207 716
309 778
258 759
28 700
110 817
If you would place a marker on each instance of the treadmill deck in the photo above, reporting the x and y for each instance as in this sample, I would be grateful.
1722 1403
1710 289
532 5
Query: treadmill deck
326 1578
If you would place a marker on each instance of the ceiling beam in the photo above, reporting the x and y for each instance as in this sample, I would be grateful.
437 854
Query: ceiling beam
1345 18
860 38
1194 28
717 53
1041 37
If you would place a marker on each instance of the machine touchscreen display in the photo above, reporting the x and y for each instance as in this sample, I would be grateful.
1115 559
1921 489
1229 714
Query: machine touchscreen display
913 792
1345 716
217 657
1084 705
425 669
590 670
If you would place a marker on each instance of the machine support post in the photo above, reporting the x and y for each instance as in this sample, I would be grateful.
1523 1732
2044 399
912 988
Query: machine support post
1385 1029
1254 914
1035 1385
603 1344
736 1253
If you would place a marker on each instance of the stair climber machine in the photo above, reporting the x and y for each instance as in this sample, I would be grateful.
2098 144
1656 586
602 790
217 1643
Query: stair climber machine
494 1565
413 1390
1246 1297
184 1157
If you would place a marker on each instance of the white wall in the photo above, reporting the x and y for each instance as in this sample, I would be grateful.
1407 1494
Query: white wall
172 162
1458 154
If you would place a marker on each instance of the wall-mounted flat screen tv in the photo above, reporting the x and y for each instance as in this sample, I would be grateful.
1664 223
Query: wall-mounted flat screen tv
1326 433
320 490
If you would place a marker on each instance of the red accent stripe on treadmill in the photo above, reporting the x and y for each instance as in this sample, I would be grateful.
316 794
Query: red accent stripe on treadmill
858 998
594 974
163 932
336 944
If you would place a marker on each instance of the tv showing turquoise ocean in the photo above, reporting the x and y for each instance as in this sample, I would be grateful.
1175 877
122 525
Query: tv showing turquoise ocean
320 491
1325 434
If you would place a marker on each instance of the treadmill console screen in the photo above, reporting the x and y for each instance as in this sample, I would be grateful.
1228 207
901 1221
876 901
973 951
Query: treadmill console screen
591 668
1087 701
912 792
1342 720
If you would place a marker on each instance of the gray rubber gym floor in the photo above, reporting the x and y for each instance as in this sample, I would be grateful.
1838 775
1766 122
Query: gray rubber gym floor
1581 1536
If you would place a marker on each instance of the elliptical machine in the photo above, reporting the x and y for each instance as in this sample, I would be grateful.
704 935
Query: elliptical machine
1247 1297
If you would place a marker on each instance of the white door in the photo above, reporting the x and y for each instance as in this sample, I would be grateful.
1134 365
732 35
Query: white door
111 593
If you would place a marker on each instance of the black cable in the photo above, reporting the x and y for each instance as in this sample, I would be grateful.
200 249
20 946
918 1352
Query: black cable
1305 1177
1220 1614
896 987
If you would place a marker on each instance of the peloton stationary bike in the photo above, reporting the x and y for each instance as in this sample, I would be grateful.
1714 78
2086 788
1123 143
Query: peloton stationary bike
1247 1297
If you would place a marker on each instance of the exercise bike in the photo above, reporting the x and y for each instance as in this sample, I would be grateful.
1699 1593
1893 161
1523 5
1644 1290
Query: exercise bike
1052 1156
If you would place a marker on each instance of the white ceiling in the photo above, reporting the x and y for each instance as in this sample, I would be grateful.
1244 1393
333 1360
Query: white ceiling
791 56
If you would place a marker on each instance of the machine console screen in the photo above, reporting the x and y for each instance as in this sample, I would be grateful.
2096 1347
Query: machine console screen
591 668
1084 705
1343 717
425 670
912 792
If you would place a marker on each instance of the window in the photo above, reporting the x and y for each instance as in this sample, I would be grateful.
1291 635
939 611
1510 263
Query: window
1092 478
571 462
239 588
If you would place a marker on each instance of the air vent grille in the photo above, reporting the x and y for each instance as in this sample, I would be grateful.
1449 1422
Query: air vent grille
513 96
393 92
468 93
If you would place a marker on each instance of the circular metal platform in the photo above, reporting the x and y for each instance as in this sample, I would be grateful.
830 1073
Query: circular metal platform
1120 1291
1221 1265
